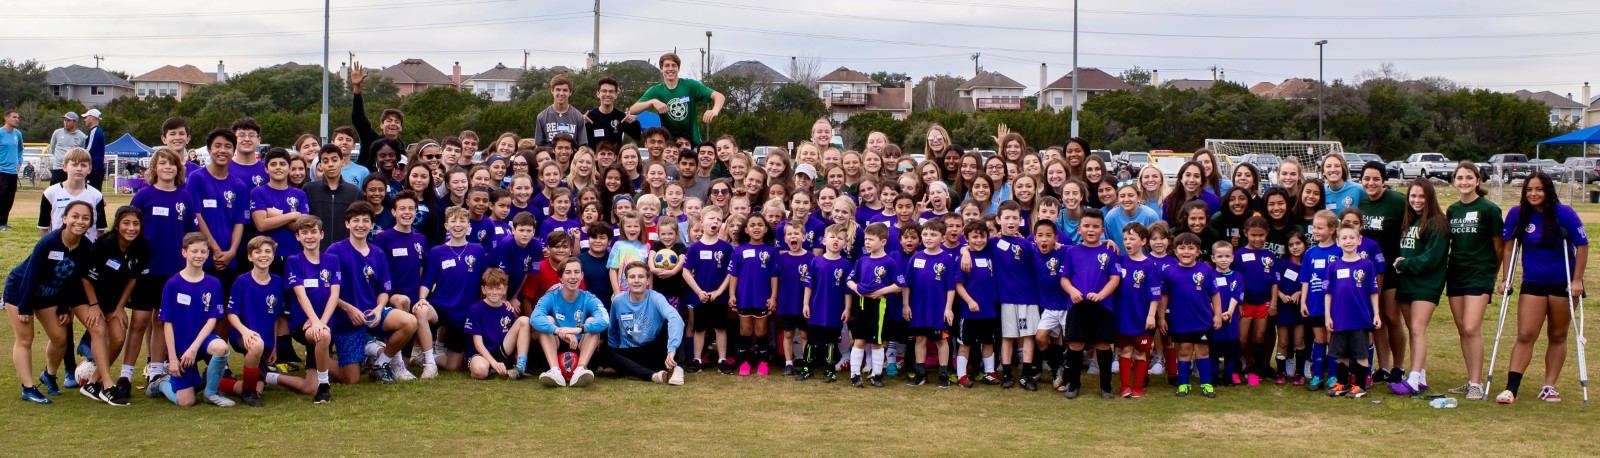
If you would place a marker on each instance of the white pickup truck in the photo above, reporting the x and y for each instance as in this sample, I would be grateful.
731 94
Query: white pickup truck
1431 165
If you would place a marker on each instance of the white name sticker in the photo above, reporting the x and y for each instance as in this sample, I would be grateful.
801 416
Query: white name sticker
654 237
160 211
1221 282
114 264
184 299
209 203
749 254
705 255
980 262
1291 275
599 133
399 252
1247 257
1319 263
56 255
625 317
1003 245
547 211
919 263
448 263
310 283
1472 216
1342 273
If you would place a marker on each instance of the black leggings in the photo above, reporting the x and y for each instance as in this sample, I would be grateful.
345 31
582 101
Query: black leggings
639 362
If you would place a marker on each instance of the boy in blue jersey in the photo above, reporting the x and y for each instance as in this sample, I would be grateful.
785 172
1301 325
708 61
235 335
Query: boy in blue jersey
569 319
1189 295
875 277
366 309
1226 338
1049 260
1350 310
191 303
980 324
826 298
314 278
1136 319
254 304
1018 294
224 204
1090 274
793 265
500 337
276 205
931 278
449 286
518 254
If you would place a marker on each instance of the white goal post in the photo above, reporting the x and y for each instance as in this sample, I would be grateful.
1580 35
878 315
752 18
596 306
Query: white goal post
1308 152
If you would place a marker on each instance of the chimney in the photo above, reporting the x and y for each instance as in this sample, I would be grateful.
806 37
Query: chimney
1042 70
222 75
910 89
455 75
1155 78
1585 102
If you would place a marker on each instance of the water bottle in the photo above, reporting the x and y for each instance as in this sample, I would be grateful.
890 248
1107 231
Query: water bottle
1443 403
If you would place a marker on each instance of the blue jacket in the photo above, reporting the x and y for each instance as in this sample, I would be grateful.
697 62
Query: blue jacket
638 323
553 311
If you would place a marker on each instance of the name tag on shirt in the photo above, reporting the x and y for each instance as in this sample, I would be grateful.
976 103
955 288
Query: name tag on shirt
183 299
114 264
160 211
398 252
499 230
56 255
448 263
1472 216
980 262
1004 245
584 244
1247 257
1342 273
1291 275
209 203
654 237
919 263
1319 264
1221 282
705 255
599 133
749 254
310 283
625 317
547 211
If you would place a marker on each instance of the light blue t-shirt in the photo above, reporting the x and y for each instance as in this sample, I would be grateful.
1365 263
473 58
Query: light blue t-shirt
10 150
1116 219
1345 197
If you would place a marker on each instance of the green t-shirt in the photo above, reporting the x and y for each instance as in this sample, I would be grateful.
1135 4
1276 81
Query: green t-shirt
684 104
1421 260
1473 229
1380 220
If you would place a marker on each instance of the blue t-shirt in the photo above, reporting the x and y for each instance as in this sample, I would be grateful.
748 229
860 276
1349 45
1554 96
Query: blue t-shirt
10 150
187 306
792 270
708 265
315 278
363 277
168 215
1116 220
981 284
635 324
48 273
1047 270
1136 290
1013 264
1314 274
258 306
1091 268
754 266
1189 291
1257 267
931 278
451 274
222 205
288 200
826 278
517 261
1229 291
404 252
1541 248
1352 284
491 322
1336 200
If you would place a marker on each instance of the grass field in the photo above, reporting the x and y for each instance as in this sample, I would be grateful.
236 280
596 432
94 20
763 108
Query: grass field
729 415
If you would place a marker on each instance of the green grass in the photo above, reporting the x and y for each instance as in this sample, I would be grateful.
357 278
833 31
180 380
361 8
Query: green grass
727 415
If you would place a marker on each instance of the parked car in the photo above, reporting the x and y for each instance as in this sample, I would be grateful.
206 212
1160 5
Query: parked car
1508 166
759 154
1128 163
1392 171
1432 165
1550 167
1267 164
1582 169
1354 162
1169 163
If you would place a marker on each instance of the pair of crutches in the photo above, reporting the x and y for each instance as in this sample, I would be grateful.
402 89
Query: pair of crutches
1574 308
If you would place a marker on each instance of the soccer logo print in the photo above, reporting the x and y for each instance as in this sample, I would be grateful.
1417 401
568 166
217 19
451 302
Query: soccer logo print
1360 275
1199 280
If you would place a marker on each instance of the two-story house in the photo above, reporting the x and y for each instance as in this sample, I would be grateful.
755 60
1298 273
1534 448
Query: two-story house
1563 110
416 75
1058 94
991 91
172 81
91 86
496 83
848 92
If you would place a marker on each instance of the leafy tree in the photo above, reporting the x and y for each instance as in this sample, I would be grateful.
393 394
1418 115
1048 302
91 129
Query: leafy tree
1135 76
22 82
887 79
794 98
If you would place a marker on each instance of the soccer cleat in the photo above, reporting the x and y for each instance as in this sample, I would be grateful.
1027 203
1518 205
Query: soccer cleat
1279 379
401 373
1116 366
1299 380
1401 388
1315 382
122 389
32 394
324 394
251 398
802 374
944 382
71 381
1183 390
892 370
1138 392
1549 394
917 379
1337 390
676 379
965 382
1029 384
91 390
514 373
1475 393
788 369
744 369
1127 392
1460 389
693 366
1234 380
830 377
1070 394
383 374
553 378
1356 393
1006 381
991 379
1107 395
1157 368
726 367
855 381
1094 367
1058 382
1253 380
582 377
1208 391
217 399
1505 397
761 369
150 388
49 383
876 380
116 395
430 371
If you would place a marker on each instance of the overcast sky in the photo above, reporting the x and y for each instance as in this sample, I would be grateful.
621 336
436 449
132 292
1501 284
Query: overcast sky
1503 46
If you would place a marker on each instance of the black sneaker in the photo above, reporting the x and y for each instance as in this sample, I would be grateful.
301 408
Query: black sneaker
788 369
1070 393
917 379
324 394
877 381
117 395
830 377
855 381
91 390
725 367
802 374
1029 384
251 398
1397 375
693 366
1107 395
944 382
1006 381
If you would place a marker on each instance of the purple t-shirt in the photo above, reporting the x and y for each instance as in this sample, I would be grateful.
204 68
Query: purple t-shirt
931 277
1189 291
826 278
490 322
315 278
792 270
288 200
404 252
980 283
168 215
1047 270
1287 273
363 276
1091 268
1229 290
1257 267
1541 250
1138 287
1013 264
253 176
517 261
571 226
222 205
708 265
1352 284
755 266
258 306
872 274
187 305
451 275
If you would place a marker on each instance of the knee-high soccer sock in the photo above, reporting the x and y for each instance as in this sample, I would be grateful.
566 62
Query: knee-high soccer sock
1207 370
214 373
1128 368
1283 363
1170 354
891 352
1072 366
165 386
1053 355
1341 373
1513 382
877 361
856 358
1104 358
252 377
1319 354
1230 360
1183 371
1362 372
961 366
988 364
1141 369
1329 362
1302 363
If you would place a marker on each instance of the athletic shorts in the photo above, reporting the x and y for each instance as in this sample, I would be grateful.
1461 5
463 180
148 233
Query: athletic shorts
1089 322
1199 337
454 339
269 344
924 331
711 316
499 354
979 331
1454 290
791 322
1288 315
1543 289
1141 342
758 312
14 295
1254 311
896 331
1350 344
1314 322
351 346
1389 283
1425 296
147 292
1054 321
375 328
1018 320
867 320
190 377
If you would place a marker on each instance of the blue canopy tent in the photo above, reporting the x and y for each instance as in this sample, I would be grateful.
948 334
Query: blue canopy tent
1584 137
126 147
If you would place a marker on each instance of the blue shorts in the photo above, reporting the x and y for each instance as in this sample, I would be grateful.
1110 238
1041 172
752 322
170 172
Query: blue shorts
191 377
375 328
1288 315
351 346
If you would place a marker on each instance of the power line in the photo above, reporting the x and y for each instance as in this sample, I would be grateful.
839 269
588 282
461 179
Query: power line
191 15
409 27
1259 16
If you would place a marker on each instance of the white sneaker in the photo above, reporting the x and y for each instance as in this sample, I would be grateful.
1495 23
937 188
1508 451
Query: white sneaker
1156 368
677 377
218 400
416 356
1094 367
552 378
582 377
1116 366
659 377
401 373
430 371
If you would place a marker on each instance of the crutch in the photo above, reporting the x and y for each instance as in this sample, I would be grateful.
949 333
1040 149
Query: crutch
1488 381
1583 366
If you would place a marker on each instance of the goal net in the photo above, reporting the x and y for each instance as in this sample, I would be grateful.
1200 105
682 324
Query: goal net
1309 153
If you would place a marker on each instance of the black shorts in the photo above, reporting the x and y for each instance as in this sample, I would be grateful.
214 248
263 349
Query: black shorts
1200 337
1459 291
896 331
932 333
760 312
1543 289
979 331
147 292
1314 322
821 335
454 339
711 316
791 322
867 321
499 354
1350 344
1089 322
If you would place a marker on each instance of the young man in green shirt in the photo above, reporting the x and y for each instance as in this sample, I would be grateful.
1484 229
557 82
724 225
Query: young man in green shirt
678 99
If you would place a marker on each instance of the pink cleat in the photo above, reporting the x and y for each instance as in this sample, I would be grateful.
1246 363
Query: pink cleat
744 368
1253 380
762 369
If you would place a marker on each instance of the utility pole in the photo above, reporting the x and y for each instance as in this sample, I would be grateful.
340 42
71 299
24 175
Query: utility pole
326 7
1213 69
703 63
97 60
977 68
707 60
595 60
1074 68
1320 84
524 60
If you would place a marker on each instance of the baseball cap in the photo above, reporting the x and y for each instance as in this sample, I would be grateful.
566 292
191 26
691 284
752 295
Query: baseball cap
93 112
807 170
70 115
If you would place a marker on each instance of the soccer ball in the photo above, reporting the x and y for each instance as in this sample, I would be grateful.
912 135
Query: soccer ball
569 364
665 260
84 371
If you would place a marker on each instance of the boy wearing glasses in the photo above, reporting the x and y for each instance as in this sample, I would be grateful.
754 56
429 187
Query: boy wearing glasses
606 123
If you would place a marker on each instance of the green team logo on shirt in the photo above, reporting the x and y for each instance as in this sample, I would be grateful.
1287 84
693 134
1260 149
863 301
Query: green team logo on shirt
678 108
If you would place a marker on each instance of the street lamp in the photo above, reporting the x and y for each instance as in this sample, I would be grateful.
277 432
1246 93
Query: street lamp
1320 84
707 62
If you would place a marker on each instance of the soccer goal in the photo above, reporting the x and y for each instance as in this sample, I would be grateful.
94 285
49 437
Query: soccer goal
1266 154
